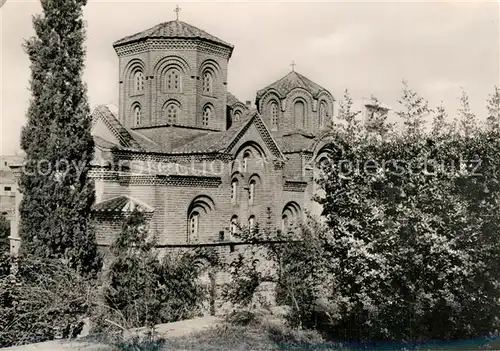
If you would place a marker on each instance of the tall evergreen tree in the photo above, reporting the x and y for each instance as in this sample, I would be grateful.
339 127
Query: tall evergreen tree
58 195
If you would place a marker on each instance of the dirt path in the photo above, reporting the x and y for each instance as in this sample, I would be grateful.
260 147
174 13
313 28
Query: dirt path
168 330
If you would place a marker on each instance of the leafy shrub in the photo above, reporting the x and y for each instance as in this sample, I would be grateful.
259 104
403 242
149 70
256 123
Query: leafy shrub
143 289
42 301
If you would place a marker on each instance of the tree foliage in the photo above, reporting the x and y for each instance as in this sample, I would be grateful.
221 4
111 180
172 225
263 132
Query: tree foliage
493 108
57 194
145 289
4 235
467 123
413 111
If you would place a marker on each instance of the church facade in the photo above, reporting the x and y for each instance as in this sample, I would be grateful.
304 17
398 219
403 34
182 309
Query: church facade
199 162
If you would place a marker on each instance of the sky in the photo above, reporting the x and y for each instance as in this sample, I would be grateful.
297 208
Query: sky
366 47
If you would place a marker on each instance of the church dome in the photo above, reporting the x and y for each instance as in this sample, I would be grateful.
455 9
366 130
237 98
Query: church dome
290 82
172 29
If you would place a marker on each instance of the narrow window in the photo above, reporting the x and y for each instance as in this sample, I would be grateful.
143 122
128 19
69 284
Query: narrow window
299 114
173 80
251 192
138 81
234 191
137 115
171 113
207 113
246 157
234 225
322 114
207 82
251 223
274 116
193 226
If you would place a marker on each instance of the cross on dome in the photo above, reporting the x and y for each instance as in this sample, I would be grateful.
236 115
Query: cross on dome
177 10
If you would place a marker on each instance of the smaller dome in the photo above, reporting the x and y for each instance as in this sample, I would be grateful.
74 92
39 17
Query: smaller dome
289 82
172 29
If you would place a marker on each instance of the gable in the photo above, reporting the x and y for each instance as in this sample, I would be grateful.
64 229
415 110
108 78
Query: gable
101 130
256 131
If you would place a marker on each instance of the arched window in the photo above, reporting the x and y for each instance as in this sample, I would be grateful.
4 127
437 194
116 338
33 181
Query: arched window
173 80
198 211
237 115
251 192
207 114
234 225
138 82
137 115
322 114
274 116
246 157
299 112
290 217
171 113
234 191
207 82
284 223
193 226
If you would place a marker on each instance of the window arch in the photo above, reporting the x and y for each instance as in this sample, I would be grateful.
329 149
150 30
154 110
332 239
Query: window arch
299 112
323 115
171 113
173 80
290 217
274 115
207 115
207 82
199 208
234 191
137 114
138 82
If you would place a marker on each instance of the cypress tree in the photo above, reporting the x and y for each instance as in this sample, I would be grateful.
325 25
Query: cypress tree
57 193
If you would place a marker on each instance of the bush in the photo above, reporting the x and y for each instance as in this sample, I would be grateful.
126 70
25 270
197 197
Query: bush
42 301
143 289
410 255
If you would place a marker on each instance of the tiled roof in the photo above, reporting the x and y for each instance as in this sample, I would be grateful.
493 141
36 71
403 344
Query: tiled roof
115 126
121 204
289 82
105 144
216 141
172 29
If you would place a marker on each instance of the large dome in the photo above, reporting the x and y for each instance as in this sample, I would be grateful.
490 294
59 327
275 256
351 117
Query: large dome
172 29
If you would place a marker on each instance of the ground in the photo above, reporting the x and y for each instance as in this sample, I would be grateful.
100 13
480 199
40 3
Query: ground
265 330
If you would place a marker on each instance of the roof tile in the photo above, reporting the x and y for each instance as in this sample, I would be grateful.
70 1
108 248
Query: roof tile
172 29
292 81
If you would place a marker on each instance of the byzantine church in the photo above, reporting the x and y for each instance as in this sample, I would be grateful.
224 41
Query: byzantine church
197 161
